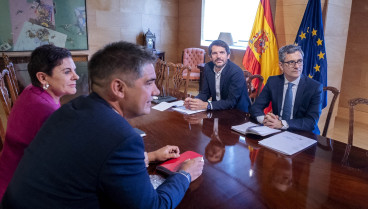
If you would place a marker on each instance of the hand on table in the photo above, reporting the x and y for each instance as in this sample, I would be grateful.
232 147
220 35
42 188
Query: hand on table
164 153
272 121
195 104
194 167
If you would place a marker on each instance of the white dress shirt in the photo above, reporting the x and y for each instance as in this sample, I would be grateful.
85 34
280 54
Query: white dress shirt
294 90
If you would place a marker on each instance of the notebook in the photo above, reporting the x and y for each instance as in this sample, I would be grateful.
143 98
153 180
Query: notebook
174 164
163 99
252 128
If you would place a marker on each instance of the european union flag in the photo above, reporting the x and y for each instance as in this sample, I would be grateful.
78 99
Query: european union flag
311 39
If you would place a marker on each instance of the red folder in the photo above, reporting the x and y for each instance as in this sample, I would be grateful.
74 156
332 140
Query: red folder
174 164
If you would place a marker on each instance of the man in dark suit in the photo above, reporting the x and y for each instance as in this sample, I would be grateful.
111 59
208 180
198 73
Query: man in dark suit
87 155
296 99
223 81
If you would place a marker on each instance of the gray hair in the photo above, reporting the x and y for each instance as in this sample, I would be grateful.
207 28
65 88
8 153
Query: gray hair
289 49
120 58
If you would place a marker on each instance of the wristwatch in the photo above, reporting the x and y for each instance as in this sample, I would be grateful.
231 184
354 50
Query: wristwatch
209 106
186 174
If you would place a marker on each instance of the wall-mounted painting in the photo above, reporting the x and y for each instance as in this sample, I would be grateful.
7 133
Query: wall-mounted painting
27 24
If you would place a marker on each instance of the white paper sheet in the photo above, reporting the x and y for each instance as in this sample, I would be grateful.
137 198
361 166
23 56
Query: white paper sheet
287 143
166 105
184 110
253 128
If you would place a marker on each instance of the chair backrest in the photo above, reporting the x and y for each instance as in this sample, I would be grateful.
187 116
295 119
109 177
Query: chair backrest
336 93
161 75
177 82
5 99
192 57
352 103
250 86
247 74
252 92
13 77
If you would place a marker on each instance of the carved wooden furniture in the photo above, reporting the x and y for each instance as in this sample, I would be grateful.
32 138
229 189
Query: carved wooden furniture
6 101
352 103
336 93
8 95
250 87
252 92
13 78
161 74
176 82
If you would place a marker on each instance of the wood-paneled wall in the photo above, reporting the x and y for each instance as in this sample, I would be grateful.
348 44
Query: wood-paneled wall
128 20
177 25
355 74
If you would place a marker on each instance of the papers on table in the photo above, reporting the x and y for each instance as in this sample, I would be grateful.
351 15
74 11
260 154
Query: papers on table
166 105
179 106
184 110
287 143
253 128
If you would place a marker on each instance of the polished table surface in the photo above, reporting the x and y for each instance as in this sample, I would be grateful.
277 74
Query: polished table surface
325 175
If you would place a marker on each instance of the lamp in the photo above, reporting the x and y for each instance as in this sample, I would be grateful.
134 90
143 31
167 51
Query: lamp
226 37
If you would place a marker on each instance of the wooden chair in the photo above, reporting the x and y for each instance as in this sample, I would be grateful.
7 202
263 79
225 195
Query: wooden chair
161 74
249 85
352 103
336 93
13 77
247 74
252 92
177 82
5 90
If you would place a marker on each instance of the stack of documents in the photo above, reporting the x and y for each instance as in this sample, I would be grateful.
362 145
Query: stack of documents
166 105
252 128
178 106
287 143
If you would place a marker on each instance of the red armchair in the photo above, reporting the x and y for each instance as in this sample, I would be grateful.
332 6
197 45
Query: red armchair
192 57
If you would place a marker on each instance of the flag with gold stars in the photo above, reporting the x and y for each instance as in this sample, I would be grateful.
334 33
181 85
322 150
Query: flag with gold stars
310 38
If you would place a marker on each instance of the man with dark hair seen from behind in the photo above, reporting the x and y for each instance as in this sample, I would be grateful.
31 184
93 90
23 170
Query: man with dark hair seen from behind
296 98
88 156
223 82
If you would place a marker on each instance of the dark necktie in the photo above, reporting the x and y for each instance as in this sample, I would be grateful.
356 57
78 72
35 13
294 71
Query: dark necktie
286 112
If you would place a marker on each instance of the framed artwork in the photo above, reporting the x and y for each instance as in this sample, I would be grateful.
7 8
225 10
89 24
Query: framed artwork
27 24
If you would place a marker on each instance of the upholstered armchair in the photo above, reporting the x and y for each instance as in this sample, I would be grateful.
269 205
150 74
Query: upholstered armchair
191 58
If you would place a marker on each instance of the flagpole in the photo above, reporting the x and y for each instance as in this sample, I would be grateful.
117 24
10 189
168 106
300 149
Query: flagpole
324 15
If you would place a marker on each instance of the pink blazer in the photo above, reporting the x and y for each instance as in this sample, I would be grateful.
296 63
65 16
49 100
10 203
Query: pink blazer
34 105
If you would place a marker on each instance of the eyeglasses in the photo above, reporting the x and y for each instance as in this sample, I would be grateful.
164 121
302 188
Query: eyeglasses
292 63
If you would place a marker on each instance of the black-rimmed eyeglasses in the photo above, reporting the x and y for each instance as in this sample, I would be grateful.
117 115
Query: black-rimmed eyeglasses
292 63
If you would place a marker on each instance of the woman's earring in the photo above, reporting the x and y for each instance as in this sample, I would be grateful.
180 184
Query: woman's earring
45 86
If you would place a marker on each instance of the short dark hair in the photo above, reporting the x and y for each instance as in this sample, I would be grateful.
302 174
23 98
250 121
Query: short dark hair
289 49
44 59
219 43
123 58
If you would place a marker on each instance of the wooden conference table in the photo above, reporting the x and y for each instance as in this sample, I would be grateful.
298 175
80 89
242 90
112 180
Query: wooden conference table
251 176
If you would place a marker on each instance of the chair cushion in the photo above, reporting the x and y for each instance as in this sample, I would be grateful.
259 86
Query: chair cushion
192 57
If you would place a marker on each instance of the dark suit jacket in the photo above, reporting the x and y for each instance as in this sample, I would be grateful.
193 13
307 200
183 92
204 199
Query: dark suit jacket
307 105
88 156
233 88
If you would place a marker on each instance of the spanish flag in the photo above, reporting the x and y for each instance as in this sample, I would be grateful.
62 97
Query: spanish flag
261 56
